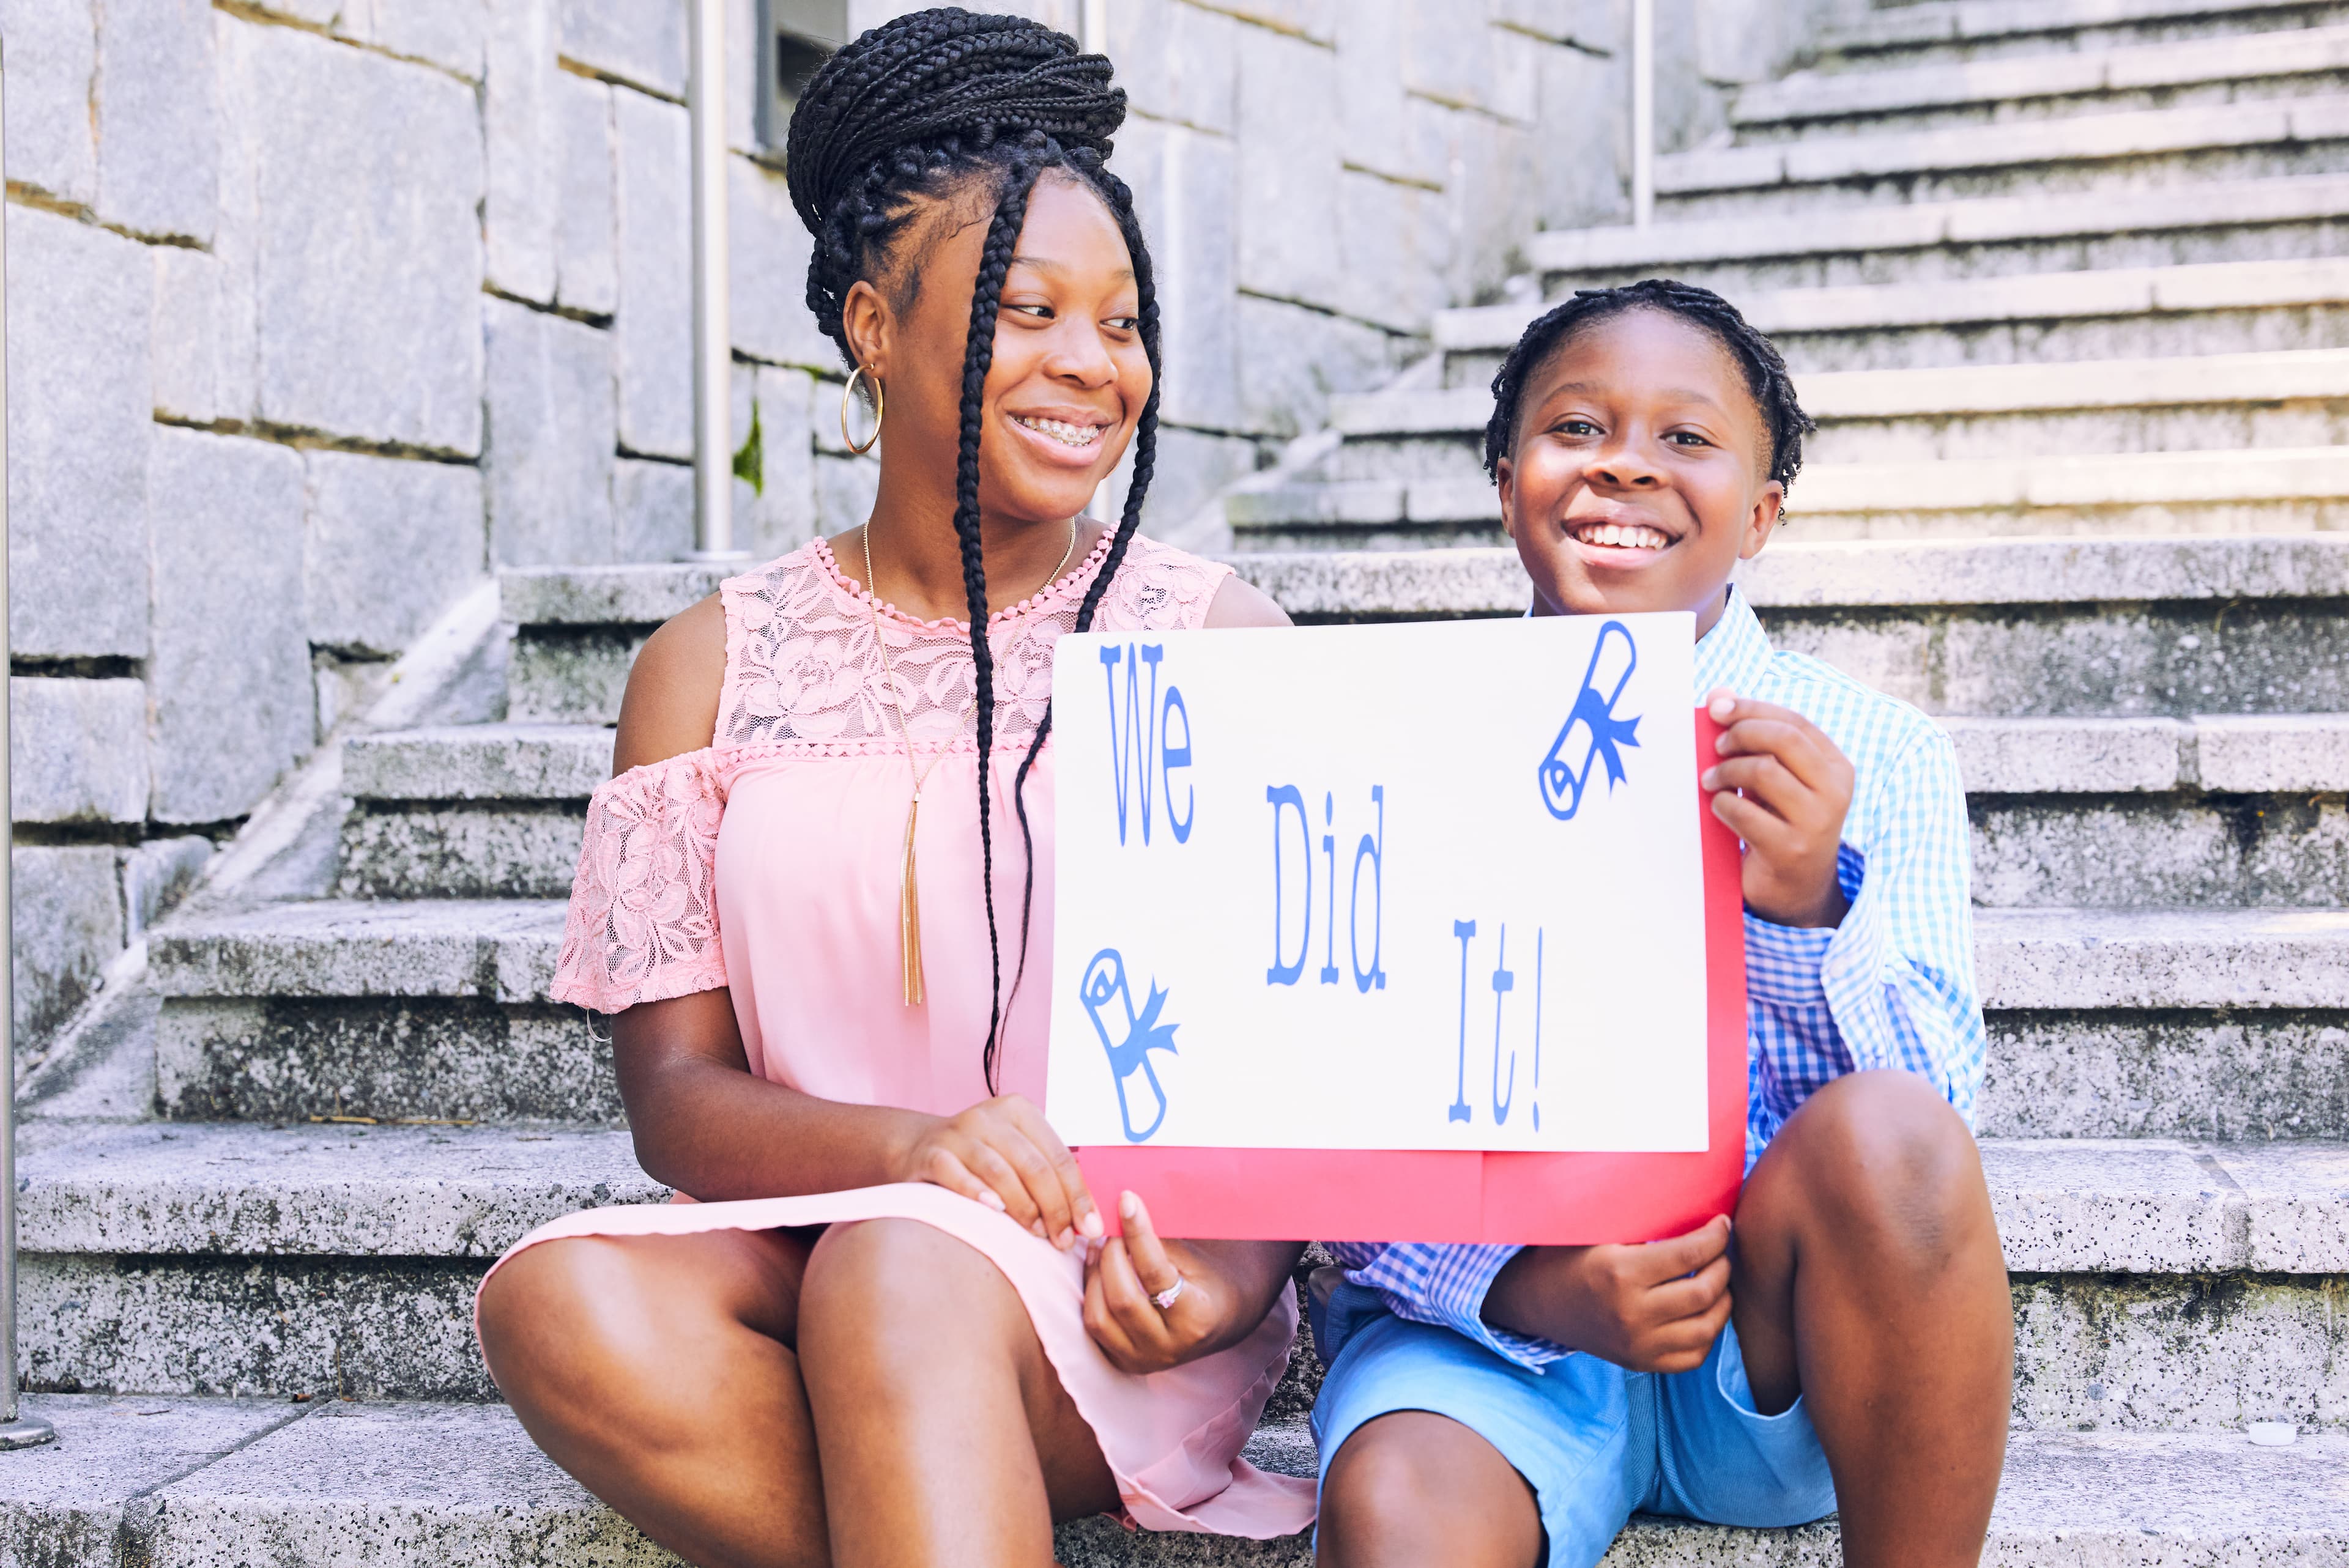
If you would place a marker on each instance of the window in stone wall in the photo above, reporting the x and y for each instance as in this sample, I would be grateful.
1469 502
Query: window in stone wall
800 34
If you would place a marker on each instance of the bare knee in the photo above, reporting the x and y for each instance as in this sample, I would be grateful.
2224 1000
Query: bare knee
545 1312
590 1325
902 1284
1881 1157
1414 1487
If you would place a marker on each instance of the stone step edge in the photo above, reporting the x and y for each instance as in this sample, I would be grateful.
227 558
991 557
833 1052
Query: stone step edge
2099 480
1791 573
503 952
490 766
1842 575
2118 291
2087 139
1806 96
1833 397
2066 1206
1916 226
199 1482
1965 21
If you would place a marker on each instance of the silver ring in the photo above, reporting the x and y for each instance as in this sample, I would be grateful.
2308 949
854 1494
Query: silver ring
1171 1294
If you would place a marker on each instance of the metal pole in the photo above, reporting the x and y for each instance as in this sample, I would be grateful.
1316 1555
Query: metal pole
18 1430
713 358
1092 37
1644 113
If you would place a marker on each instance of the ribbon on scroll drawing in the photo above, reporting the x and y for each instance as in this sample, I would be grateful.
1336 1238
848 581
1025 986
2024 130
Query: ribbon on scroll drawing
1592 734
1139 1033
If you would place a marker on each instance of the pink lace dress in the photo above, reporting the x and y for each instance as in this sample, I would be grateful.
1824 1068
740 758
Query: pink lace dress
768 865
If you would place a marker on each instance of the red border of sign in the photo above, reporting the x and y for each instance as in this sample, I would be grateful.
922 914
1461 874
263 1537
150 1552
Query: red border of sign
1439 1195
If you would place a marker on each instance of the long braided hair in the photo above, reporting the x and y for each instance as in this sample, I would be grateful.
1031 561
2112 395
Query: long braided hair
1766 368
915 109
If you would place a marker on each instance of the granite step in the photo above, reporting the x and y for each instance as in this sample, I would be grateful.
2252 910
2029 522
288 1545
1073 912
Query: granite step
2014 627
316 1259
340 1260
1919 242
578 630
2123 313
2252 490
2242 67
2025 626
385 1009
2219 809
490 810
1990 29
2103 1022
2263 139
197 1483
2231 754
2216 403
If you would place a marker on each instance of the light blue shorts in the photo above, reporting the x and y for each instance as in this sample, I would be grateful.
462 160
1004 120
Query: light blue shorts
1595 1443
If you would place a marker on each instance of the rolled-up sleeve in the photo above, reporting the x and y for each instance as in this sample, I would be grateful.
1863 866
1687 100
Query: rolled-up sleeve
1446 1286
1893 985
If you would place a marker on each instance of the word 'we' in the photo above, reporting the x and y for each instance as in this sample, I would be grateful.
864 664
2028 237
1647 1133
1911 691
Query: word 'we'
1143 745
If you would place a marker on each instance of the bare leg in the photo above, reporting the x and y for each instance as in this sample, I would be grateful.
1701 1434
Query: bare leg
1414 1489
659 1371
1867 1279
947 1437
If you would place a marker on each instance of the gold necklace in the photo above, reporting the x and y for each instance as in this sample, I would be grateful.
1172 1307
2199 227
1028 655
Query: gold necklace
909 901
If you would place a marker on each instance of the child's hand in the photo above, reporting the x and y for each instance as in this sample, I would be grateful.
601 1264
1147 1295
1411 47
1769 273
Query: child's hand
1795 789
1651 1308
1002 1152
1127 1271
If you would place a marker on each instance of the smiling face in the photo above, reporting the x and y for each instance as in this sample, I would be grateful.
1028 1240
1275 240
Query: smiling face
1639 475
1069 376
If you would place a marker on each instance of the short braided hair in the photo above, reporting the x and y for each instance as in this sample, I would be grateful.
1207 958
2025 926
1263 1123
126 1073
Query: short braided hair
1766 368
914 109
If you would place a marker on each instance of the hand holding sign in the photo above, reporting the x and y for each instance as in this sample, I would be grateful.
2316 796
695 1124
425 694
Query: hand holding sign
1126 1272
1656 1307
1797 787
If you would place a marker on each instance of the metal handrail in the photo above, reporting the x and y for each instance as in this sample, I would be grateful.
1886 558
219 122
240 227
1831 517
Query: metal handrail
713 351
18 1430
1644 113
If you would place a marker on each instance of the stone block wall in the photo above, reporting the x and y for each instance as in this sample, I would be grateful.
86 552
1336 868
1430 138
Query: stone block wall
321 310
1318 177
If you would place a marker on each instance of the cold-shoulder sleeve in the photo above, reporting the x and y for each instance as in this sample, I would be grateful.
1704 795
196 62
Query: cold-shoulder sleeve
643 925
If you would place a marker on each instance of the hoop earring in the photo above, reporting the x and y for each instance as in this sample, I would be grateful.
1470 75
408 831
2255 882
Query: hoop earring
880 405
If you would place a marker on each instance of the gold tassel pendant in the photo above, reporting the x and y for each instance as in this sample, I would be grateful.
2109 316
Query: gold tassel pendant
909 913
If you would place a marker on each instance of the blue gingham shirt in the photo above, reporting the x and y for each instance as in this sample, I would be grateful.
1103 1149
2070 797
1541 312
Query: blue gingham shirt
1892 987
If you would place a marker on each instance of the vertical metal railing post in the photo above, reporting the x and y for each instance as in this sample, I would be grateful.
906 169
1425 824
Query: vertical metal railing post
1644 113
18 1430
713 356
1092 37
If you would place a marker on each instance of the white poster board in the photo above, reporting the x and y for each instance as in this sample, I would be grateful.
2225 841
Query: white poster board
1432 886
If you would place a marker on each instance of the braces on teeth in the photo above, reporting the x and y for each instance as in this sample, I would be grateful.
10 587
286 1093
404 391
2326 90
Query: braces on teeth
1068 435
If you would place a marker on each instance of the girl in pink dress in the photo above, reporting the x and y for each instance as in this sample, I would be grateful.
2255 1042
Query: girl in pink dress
818 897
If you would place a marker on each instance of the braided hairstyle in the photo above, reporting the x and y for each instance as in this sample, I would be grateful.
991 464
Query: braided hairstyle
918 109
1764 367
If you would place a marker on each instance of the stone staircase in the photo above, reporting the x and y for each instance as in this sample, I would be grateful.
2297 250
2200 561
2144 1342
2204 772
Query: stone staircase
2035 277
2060 278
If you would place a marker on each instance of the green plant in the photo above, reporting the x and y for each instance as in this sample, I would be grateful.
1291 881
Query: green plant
751 458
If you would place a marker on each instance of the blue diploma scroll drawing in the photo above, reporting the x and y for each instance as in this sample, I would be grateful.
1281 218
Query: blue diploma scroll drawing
1139 1033
1592 733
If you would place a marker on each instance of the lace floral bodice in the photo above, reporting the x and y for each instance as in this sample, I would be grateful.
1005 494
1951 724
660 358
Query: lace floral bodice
803 683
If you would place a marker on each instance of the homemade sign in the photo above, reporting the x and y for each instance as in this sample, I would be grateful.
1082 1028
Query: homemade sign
1396 933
